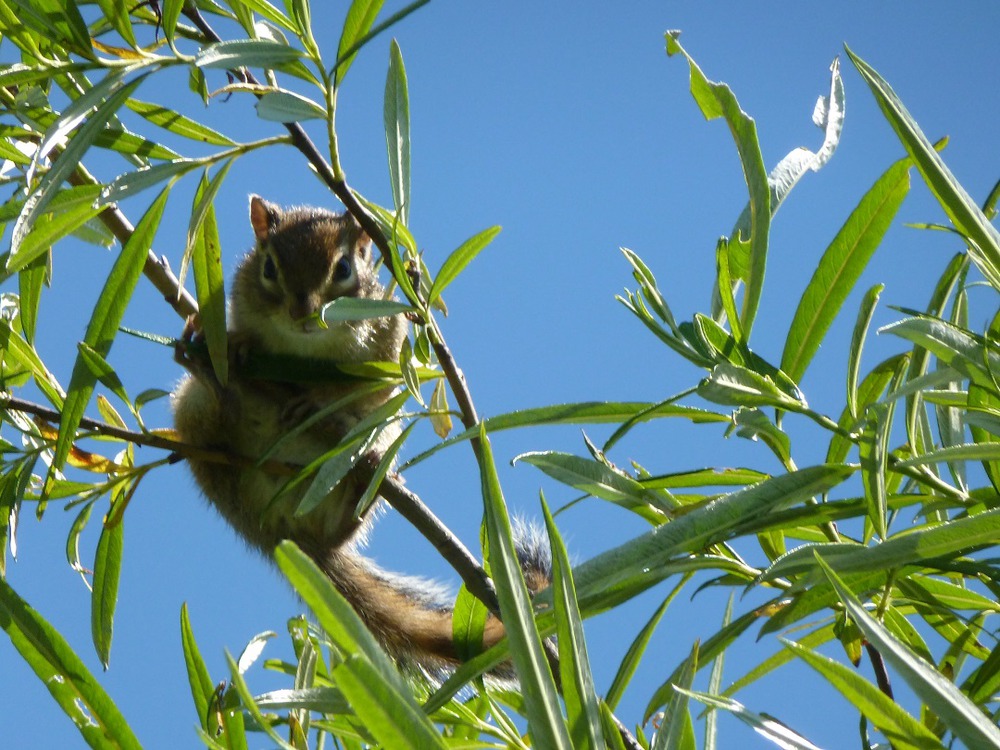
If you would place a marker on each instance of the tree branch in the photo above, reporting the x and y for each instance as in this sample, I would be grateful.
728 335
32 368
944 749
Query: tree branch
157 270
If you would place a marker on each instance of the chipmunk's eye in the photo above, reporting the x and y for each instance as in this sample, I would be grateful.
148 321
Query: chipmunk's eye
270 270
343 270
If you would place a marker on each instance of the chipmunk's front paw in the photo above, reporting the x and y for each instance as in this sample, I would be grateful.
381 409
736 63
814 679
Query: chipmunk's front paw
189 349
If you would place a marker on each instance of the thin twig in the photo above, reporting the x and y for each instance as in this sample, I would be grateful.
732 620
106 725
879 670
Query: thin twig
881 674
155 269
150 439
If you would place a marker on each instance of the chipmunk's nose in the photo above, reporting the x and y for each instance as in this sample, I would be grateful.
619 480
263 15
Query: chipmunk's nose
304 305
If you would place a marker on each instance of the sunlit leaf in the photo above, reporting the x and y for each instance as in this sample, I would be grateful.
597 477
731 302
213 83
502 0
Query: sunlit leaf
104 598
841 266
396 114
64 675
545 719
964 718
104 321
198 677
288 106
360 17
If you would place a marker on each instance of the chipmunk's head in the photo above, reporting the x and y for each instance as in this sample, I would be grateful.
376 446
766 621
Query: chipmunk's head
303 258
306 257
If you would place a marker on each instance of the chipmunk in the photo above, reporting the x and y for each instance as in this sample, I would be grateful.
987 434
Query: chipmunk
304 258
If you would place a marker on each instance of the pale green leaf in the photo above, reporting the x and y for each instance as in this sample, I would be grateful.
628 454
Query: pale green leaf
104 321
396 114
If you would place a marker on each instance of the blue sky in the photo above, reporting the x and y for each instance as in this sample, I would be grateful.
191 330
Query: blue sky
566 124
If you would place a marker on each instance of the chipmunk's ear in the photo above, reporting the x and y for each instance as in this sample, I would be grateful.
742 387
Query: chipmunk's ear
264 217
361 243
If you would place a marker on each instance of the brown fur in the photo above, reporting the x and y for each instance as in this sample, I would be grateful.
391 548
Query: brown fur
291 272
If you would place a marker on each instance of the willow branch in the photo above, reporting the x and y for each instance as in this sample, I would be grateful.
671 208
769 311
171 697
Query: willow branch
150 439
157 270
409 505
340 188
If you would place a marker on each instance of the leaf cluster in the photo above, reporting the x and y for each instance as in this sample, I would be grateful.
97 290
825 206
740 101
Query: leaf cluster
884 547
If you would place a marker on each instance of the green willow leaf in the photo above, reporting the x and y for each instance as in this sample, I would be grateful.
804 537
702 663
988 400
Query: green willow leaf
776 731
963 717
459 259
958 205
30 281
269 12
360 17
625 571
65 676
104 321
677 732
841 266
360 308
65 164
178 124
865 313
130 183
901 729
393 722
369 681
19 352
600 480
206 260
747 250
582 711
117 14
251 53
633 656
966 452
60 22
104 597
873 449
734 385
202 687
78 110
943 540
49 228
396 114
545 721
730 349
263 723
960 349
288 106
811 640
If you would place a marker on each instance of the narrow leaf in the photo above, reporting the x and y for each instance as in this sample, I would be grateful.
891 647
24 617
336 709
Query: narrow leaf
459 259
288 106
545 721
766 726
254 53
582 711
198 675
360 17
748 246
104 598
396 114
66 163
964 718
206 259
65 676
865 313
841 266
178 124
624 571
959 206
104 322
